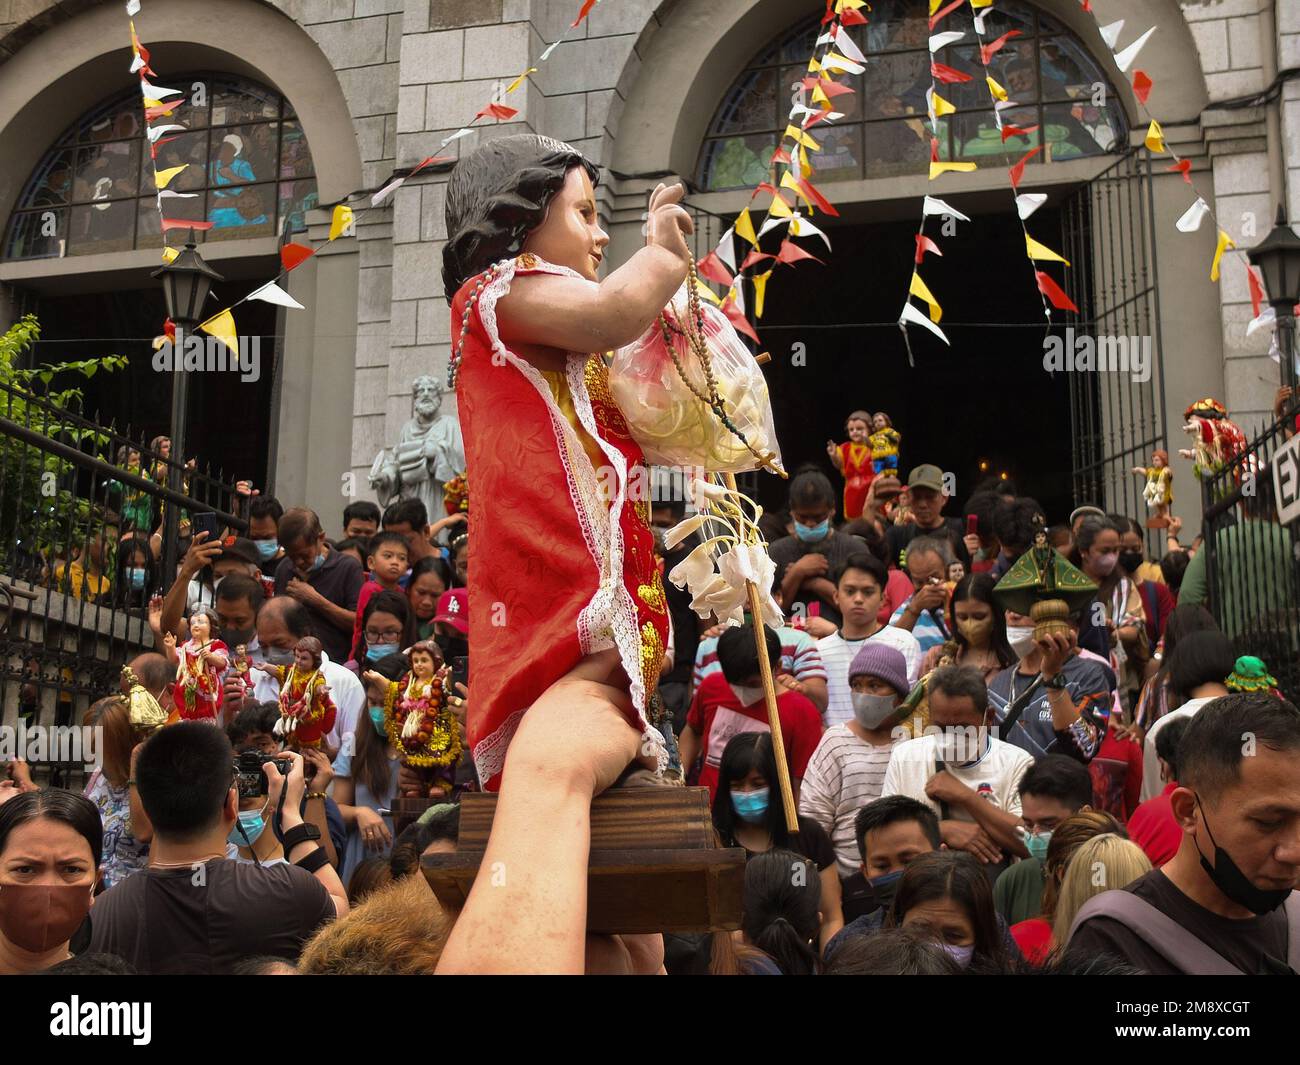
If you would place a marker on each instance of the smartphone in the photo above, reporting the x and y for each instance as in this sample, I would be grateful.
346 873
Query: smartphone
205 523
972 525
460 670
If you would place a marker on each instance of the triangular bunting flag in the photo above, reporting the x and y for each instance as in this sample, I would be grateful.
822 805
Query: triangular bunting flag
988 51
760 290
1191 218
1184 167
1110 33
587 5
1256 291
937 16
1055 294
163 178
911 314
726 249
948 75
845 44
341 221
942 40
933 205
519 80
1155 138
778 208
755 256
273 293
1018 170
745 228
157 131
1124 59
1029 202
1141 86
500 112
157 92
222 326
133 7
996 90
1225 242
941 106
168 224
169 255
737 317
835 61
919 289
292 255
773 223
925 244
712 268
1042 252
801 227
790 253
936 169
1014 131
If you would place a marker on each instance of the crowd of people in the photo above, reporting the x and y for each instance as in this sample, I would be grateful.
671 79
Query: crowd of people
974 795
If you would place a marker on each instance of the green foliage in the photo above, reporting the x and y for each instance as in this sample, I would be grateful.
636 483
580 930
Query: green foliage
39 508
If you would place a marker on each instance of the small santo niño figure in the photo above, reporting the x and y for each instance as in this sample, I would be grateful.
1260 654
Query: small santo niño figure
199 663
853 458
564 553
884 444
306 710
1159 490
417 716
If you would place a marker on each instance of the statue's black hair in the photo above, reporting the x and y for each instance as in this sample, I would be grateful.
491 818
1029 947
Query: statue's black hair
496 196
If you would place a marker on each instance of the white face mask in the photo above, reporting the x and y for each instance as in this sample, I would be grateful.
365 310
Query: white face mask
1021 639
960 745
870 710
747 696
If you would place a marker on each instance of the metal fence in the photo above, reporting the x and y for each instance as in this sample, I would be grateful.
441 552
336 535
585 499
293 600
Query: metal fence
81 507
1252 566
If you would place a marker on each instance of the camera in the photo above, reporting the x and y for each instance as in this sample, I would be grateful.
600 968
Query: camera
248 772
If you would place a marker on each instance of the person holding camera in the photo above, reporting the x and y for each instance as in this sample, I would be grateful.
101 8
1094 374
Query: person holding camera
193 910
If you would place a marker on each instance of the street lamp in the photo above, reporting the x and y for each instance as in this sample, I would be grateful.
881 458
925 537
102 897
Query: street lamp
1278 259
186 282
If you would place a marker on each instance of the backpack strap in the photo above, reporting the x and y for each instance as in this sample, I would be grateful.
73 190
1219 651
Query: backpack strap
1162 933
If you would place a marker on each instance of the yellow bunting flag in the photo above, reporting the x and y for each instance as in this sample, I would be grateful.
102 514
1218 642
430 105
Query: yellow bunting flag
779 208
941 106
745 227
707 293
169 254
1041 251
760 288
918 288
934 6
840 5
819 97
222 326
805 167
796 134
788 182
997 90
515 84
814 67
341 221
1225 242
1155 137
977 4
163 178
942 168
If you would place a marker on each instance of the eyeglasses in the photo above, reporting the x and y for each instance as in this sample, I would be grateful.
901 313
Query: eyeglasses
387 636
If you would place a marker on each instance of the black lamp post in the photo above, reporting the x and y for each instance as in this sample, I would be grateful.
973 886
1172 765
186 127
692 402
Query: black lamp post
1278 259
186 282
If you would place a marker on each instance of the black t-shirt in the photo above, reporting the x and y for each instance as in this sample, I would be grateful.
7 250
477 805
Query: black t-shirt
339 580
897 537
1256 946
202 920
837 547
813 843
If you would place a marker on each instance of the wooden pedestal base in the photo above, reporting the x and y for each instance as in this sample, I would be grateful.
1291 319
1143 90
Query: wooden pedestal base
655 865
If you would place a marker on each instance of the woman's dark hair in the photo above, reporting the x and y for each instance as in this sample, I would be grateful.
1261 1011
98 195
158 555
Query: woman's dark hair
496 196
387 602
434 564
370 750
127 548
738 654
979 588
1167 741
891 952
54 804
404 858
253 719
749 750
1125 524
1014 524
783 893
352 543
369 875
1200 658
809 488
1086 535
957 876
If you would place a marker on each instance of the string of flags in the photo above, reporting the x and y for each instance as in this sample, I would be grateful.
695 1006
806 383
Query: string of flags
343 220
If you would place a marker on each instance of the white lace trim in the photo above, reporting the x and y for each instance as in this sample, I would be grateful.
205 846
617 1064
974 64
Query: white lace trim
609 618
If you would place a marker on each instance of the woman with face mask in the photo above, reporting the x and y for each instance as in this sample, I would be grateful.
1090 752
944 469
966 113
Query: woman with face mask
979 628
747 813
946 896
1096 552
50 846
137 572
387 628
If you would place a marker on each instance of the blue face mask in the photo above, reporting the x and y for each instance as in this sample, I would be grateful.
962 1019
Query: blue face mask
1037 845
884 887
253 825
812 534
377 719
137 577
317 562
376 651
961 955
268 548
750 806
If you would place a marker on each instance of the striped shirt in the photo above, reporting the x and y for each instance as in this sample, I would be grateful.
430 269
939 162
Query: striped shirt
837 655
843 775
799 657
927 629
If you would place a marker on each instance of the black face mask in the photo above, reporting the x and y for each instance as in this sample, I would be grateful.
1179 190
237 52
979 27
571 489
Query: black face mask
885 887
232 638
1130 560
452 646
1234 883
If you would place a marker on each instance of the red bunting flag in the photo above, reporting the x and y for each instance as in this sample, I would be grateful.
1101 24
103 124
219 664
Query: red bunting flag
988 51
753 257
498 111
831 87
153 148
1256 292
1141 86
934 149
1016 131
830 12
184 223
925 244
153 113
810 192
765 186
946 74
934 19
812 120
781 156
587 5
1055 296
293 254
1087 5
1018 171
791 253
851 16
169 329
737 319
1184 167
712 267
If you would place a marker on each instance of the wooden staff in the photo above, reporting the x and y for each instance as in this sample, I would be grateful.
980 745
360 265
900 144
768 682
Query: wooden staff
769 689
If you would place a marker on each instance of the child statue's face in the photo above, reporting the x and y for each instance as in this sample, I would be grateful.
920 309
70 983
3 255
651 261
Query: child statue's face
571 236
422 664
200 627
857 430
1158 461
879 422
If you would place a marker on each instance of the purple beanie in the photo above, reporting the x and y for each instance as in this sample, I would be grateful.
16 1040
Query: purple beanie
879 659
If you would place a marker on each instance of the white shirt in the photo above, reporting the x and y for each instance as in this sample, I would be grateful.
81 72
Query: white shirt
837 655
1152 785
843 775
996 776
346 690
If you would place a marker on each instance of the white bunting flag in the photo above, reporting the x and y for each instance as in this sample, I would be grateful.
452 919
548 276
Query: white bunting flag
911 314
1193 216
726 249
273 293
811 112
465 132
1267 316
1110 34
383 194
835 61
549 49
844 43
157 131
772 223
1029 202
801 227
156 92
942 40
132 8
979 23
934 205
1124 59
137 62
167 194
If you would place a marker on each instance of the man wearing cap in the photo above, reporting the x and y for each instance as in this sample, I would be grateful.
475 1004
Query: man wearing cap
451 623
926 498
847 770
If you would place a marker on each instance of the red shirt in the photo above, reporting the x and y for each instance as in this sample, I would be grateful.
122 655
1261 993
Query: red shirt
716 715
1116 777
1153 827
1034 938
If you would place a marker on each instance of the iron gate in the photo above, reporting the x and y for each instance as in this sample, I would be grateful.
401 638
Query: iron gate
1116 420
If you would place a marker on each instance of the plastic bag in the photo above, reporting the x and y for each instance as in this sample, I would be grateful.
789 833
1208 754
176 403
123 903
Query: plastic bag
673 426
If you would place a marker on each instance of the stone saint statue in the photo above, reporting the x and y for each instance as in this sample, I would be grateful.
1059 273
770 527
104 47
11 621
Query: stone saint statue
429 452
